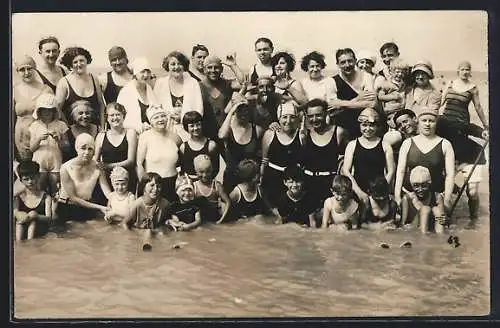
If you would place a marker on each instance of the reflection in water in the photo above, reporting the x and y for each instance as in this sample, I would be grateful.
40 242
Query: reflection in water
250 269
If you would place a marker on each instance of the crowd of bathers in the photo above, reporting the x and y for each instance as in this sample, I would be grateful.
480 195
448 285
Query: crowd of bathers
201 146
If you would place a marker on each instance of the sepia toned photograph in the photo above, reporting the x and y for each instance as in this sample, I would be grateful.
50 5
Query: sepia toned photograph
250 164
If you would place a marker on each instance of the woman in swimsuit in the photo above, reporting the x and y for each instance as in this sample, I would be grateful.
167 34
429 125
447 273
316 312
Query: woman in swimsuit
49 73
290 89
117 146
79 85
25 94
422 95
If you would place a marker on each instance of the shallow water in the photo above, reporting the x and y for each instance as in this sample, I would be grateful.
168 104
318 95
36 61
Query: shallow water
251 269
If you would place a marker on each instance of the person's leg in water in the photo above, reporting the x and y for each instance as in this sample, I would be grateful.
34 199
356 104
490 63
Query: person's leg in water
473 202
424 214
53 183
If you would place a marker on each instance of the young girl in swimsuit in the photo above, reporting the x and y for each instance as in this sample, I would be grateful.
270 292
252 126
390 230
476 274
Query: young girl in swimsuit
210 189
382 206
341 210
186 213
423 206
120 199
48 133
32 205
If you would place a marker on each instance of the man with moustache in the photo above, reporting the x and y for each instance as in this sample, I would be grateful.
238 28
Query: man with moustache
112 82
217 91
406 127
353 92
49 73
265 103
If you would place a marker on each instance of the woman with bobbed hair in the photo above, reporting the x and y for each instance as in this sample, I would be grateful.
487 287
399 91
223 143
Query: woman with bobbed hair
290 89
315 84
79 85
178 92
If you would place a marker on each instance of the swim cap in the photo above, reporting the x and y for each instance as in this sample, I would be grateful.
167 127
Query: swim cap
183 182
116 52
420 174
25 60
201 161
427 111
287 108
153 110
368 115
140 64
366 54
84 139
212 59
464 63
118 174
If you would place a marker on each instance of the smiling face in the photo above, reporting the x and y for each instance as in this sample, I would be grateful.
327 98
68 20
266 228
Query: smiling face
265 88
204 173
406 125
281 67
152 190
347 63
175 67
194 129
186 194
50 52
213 71
294 187
368 129
26 73
82 115
421 189
317 117
263 51
398 74
388 56
143 76
198 58
119 64
115 117
120 186
289 122
365 65
427 124
314 70
79 64
159 121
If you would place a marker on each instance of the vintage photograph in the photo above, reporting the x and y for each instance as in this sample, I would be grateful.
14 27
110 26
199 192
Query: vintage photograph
250 164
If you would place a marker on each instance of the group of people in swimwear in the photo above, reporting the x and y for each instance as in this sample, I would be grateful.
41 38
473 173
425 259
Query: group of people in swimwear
145 152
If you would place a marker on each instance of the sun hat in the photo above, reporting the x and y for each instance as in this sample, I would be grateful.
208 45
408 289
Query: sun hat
45 100
140 64
423 66
366 54
420 174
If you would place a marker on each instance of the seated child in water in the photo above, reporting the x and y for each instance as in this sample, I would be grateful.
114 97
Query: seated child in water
186 213
391 93
210 189
296 204
120 200
32 206
150 210
341 208
423 206
382 206
246 197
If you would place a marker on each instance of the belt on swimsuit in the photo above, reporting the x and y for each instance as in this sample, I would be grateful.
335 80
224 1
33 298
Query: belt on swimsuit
276 167
319 173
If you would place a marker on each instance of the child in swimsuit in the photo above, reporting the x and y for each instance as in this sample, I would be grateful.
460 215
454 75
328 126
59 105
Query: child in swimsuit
422 206
382 206
120 200
186 213
31 205
341 208
217 201
47 134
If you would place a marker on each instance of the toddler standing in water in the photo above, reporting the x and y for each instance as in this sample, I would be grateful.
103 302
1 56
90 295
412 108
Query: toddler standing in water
382 206
341 208
47 134
210 189
120 200
150 210
423 206
185 214
32 205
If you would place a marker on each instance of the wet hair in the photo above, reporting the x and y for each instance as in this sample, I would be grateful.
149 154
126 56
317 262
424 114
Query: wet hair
199 47
49 39
389 45
247 170
266 40
294 173
70 54
344 51
316 102
190 118
341 184
316 56
288 57
117 106
183 60
150 176
379 187
27 168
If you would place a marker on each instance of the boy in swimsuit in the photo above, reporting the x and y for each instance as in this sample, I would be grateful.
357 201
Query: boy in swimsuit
341 210
382 206
31 205
422 206
120 200
186 213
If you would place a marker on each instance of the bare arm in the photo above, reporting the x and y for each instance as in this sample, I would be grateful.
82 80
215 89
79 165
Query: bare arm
401 169
389 162
225 199
226 125
477 105
103 182
298 93
98 146
326 214
61 96
347 168
131 150
69 187
449 162
103 81
102 105
266 141
312 220
141 155
195 223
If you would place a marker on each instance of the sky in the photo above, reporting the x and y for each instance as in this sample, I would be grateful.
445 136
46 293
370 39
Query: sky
443 37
